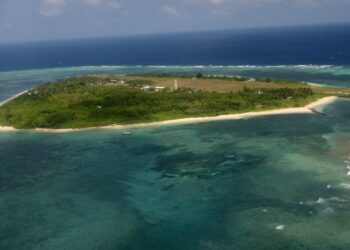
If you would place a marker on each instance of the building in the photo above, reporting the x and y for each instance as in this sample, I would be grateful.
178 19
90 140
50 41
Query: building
152 88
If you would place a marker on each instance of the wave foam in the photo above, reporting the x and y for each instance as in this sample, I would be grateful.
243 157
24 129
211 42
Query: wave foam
280 227
190 67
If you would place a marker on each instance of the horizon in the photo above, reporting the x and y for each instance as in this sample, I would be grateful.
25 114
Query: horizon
184 32
50 20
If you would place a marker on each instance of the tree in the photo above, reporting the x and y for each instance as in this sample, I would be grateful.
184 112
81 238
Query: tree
199 75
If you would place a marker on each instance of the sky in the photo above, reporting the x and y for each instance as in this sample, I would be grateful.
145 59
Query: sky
28 20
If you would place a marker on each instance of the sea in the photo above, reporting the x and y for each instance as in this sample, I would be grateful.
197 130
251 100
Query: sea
271 182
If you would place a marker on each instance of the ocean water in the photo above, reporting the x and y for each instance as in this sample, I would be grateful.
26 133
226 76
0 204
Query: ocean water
317 45
317 54
276 182
273 182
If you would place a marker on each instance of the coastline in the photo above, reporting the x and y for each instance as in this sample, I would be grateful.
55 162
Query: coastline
308 109
4 128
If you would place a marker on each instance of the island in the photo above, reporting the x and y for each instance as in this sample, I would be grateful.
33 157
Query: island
92 101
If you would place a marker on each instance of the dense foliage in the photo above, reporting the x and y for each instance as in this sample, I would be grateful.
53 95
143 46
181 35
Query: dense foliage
80 102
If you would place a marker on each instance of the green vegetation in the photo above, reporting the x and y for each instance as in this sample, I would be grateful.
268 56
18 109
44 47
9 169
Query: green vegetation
219 77
268 80
229 78
199 75
163 75
86 102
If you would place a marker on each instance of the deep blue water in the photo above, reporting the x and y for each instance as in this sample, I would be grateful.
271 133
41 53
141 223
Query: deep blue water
319 45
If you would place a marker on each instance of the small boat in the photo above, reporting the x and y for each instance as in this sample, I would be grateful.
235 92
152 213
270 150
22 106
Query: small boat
317 112
127 133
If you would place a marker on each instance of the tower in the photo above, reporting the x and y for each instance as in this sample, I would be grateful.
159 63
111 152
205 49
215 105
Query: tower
175 84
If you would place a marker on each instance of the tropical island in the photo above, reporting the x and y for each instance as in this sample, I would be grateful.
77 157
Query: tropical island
106 100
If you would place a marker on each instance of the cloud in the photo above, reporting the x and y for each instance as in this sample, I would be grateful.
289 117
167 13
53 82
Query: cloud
110 3
220 12
91 2
52 7
211 2
170 11
217 2
270 2
6 25
315 3
114 4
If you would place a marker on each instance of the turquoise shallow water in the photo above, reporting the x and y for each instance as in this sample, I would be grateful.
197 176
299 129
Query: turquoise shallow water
277 182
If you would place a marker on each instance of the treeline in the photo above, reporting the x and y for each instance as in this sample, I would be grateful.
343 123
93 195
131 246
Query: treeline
163 75
198 76
219 77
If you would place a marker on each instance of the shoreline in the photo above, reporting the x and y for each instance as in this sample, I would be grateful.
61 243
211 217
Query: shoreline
308 109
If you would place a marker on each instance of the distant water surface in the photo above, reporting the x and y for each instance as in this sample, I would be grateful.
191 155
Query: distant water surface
317 45
318 54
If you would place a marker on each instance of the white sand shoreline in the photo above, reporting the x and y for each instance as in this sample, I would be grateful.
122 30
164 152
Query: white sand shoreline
302 110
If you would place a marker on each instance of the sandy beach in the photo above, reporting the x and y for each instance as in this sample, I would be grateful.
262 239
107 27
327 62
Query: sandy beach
302 110
6 101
